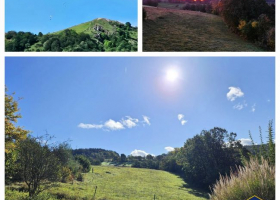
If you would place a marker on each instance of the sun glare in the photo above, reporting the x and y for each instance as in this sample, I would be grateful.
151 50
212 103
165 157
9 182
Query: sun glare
171 75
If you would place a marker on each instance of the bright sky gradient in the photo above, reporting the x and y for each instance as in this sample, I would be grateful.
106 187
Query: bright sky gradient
34 15
123 104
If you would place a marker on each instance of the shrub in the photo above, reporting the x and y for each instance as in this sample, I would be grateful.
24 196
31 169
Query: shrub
252 179
66 174
80 177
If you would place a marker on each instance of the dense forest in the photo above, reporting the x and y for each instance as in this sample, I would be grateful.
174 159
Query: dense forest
100 35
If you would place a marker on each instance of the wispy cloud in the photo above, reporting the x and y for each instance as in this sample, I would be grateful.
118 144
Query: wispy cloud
253 108
112 125
139 153
234 92
181 119
129 122
240 106
146 120
169 149
89 126
180 116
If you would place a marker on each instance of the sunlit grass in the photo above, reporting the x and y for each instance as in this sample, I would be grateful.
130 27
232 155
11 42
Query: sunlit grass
125 183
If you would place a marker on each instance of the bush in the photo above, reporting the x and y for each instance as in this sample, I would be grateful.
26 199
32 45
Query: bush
66 175
80 177
252 179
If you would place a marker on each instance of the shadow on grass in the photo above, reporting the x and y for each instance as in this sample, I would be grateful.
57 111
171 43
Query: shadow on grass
192 189
197 191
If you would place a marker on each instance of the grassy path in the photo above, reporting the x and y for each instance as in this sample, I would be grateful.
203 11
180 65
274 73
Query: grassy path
182 30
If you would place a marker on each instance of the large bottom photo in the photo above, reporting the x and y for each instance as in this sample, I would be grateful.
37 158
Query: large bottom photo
139 128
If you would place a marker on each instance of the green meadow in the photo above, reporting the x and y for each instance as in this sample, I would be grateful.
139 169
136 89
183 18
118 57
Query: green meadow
121 183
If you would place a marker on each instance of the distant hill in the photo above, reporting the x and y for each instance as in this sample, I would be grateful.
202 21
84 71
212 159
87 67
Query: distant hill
96 155
97 35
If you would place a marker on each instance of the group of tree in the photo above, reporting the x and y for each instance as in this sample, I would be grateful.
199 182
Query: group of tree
35 160
207 156
96 155
69 40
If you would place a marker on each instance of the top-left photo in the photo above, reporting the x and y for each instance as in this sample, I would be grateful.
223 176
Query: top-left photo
71 26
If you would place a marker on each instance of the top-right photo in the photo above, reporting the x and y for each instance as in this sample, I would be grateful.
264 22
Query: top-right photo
208 25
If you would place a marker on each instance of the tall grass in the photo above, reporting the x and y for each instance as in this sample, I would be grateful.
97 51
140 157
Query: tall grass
252 179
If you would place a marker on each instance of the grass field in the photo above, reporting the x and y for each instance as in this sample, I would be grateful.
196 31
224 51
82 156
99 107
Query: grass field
125 183
170 30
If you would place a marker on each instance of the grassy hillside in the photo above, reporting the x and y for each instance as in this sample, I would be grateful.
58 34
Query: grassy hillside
183 30
121 183
96 35
109 26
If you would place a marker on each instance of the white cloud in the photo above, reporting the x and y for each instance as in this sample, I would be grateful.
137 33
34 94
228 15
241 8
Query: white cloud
234 92
139 153
113 125
130 122
183 122
253 108
180 116
169 149
245 141
146 120
89 126
127 122
181 119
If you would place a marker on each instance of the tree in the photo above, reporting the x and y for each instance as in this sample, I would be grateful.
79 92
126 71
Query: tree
84 162
13 134
123 158
37 164
207 155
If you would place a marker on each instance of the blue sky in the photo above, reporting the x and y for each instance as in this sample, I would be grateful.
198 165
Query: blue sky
34 15
147 104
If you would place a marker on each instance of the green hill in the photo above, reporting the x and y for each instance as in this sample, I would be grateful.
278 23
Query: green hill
96 35
125 183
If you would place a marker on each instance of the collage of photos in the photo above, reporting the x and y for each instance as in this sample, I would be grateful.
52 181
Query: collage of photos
139 100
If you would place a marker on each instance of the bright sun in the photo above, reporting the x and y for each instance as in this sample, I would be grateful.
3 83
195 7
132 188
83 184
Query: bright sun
171 75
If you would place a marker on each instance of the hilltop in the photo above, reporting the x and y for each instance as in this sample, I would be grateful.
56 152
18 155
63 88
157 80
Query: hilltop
97 35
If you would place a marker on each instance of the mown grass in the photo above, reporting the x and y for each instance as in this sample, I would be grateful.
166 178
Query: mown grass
183 30
125 183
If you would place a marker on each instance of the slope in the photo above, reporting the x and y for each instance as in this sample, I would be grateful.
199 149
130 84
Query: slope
183 30
125 183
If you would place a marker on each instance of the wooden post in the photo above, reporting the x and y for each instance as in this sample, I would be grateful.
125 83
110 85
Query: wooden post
154 197
94 192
